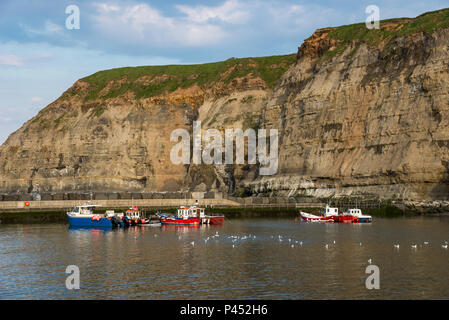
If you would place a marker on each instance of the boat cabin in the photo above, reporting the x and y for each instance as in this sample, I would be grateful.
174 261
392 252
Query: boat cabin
87 208
328 211
353 212
193 211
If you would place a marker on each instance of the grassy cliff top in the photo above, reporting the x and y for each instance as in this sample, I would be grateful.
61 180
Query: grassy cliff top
148 81
389 29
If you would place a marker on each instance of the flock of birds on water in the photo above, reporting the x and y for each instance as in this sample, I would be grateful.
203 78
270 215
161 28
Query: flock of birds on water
236 238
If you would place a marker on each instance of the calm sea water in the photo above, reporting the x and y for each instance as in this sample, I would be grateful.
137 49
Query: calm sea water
163 263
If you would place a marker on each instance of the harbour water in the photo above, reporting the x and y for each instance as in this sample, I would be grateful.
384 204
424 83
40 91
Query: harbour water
242 259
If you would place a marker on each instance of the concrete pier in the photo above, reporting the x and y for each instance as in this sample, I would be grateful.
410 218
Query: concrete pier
142 203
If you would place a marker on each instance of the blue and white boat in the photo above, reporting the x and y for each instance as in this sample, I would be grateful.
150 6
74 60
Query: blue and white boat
358 214
83 216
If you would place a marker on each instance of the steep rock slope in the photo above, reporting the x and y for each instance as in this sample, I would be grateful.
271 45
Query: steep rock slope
365 112
110 132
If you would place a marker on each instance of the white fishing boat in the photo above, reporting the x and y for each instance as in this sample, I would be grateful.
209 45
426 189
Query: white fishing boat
326 215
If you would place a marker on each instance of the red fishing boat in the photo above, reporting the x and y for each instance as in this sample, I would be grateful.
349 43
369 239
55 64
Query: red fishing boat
192 215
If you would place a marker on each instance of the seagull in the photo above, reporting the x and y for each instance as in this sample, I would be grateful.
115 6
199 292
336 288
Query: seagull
425 242
326 246
300 243
444 246
396 246
369 261
360 244
293 245
334 241
192 243
233 246
414 246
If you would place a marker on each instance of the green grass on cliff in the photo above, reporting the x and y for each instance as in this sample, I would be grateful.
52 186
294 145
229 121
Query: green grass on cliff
148 81
389 30
427 22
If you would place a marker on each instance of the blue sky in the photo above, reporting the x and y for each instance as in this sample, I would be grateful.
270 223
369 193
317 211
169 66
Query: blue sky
40 58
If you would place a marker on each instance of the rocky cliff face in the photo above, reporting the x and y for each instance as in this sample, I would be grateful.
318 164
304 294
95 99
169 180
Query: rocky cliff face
110 132
365 117
360 112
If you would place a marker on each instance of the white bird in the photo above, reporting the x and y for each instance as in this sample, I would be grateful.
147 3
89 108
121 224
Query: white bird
233 246
396 246
360 244
414 246
300 243
444 246
192 243
369 261
425 242
326 246
293 245
334 241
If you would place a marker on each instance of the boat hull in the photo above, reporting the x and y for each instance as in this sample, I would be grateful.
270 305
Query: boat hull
345 219
212 220
180 221
90 222
313 218
365 219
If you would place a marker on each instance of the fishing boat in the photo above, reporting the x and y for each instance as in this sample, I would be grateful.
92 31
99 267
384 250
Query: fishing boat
357 213
134 217
83 216
327 214
190 216
183 216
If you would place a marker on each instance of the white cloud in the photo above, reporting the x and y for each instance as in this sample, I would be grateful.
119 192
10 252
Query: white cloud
135 23
230 11
36 99
11 60
49 29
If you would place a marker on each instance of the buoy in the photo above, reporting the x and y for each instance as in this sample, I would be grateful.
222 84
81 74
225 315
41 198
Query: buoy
27 204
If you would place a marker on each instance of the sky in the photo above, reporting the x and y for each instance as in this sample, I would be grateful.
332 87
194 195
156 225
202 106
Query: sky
40 57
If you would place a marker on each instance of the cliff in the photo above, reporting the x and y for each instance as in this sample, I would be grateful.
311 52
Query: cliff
359 112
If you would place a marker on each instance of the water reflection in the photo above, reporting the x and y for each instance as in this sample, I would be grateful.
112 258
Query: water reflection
244 259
